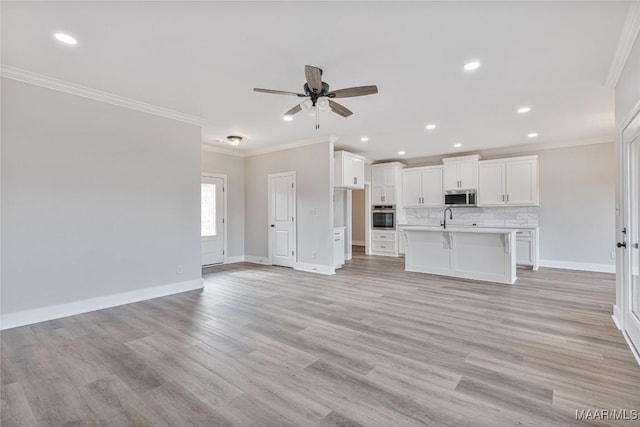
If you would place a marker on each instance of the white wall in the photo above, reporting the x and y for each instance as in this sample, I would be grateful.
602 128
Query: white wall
358 213
233 167
314 173
97 200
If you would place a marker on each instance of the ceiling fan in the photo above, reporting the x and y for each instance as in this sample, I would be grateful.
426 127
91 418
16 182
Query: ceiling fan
320 97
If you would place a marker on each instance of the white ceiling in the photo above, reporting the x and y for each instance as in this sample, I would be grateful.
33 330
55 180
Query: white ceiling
204 59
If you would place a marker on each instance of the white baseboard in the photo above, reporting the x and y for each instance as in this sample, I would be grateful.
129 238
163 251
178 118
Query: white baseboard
617 317
315 268
234 259
257 260
36 315
358 243
584 266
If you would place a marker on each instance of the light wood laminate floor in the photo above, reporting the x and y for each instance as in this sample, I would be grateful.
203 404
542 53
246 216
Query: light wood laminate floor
372 346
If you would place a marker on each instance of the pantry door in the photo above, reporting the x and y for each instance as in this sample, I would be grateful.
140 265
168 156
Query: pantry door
632 285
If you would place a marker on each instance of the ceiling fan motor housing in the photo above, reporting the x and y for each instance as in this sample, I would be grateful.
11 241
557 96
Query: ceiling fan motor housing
315 95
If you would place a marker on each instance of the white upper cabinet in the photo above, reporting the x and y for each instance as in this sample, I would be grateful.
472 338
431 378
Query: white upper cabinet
491 183
422 187
508 182
348 170
385 180
461 172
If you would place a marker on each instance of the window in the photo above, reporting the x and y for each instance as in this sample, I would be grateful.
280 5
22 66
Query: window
208 210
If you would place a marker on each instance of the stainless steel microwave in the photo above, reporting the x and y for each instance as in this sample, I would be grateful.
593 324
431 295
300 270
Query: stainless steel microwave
460 198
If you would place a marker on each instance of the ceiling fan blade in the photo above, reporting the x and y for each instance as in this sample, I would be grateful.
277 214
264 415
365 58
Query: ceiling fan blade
314 78
294 110
340 109
277 92
354 91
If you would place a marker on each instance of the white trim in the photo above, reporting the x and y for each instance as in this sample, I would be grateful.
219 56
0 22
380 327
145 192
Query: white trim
234 259
314 268
225 217
628 35
583 266
358 243
29 77
206 146
295 214
42 314
617 317
296 144
257 260
635 352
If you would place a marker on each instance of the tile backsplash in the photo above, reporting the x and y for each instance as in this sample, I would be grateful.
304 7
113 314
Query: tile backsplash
482 217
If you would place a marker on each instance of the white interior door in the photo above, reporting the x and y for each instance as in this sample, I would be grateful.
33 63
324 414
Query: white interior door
282 219
632 291
211 220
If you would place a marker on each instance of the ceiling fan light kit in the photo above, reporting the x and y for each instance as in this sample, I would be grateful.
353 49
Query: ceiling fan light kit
320 97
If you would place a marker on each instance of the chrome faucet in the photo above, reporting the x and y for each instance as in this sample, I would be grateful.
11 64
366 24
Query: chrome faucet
444 222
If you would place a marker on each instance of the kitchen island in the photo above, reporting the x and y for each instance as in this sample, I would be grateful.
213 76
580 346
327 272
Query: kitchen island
466 252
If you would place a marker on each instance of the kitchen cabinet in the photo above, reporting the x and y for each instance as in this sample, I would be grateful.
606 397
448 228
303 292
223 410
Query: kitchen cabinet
508 182
385 183
527 248
348 170
460 172
384 243
422 187
338 247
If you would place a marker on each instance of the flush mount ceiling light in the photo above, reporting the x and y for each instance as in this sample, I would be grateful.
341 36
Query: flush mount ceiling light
364 139
233 140
471 66
457 145
431 126
65 38
524 110
287 118
401 153
532 135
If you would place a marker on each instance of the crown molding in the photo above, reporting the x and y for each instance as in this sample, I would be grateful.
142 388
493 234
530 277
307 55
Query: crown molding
296 144
628 36
524 149
29 77
222 150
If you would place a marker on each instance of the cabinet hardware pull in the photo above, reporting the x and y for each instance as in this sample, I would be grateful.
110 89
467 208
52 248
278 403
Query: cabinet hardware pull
507 197
355 180
503 197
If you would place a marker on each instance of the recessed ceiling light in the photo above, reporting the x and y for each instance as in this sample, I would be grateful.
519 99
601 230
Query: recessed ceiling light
65 38
401 153
523 110
473 65
364 139
532 135
431 127
457 145
287 118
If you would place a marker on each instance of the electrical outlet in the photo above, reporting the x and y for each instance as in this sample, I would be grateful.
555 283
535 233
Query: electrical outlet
179 269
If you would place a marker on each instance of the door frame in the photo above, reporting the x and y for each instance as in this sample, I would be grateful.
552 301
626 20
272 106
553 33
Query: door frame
295 215
620 313
224 210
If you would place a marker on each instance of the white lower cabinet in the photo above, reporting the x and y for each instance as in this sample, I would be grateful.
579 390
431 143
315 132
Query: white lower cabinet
527 248
384 243
338 247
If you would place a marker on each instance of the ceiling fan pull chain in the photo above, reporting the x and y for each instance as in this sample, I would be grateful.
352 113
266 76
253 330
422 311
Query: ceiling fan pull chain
317 118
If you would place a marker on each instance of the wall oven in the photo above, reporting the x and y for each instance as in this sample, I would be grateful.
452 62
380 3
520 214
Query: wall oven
383 217
460 198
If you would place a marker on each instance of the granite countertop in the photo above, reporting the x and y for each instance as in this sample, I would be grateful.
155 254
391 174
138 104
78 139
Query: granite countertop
524 227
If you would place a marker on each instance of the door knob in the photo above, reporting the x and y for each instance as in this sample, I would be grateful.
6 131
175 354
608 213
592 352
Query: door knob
621 244
273 225
635 246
